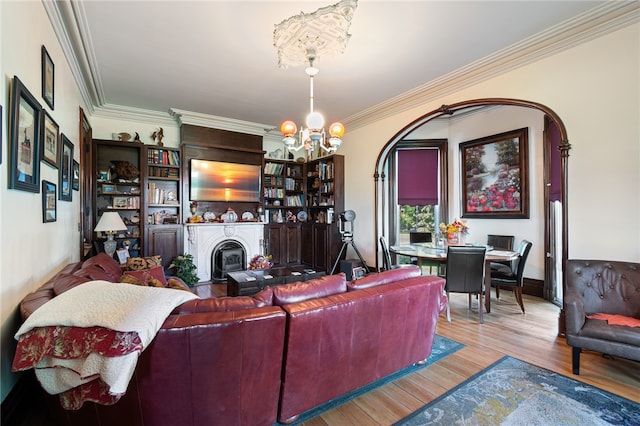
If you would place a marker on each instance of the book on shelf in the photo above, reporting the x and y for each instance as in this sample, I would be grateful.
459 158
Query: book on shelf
273 168
294 200
274 193
163 157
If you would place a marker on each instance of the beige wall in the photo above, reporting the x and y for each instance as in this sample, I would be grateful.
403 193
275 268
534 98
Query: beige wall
594 88
31 251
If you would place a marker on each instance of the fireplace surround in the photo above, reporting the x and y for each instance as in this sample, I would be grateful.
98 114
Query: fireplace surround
239 242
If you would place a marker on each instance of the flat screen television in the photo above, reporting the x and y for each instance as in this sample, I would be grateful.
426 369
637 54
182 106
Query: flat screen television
222 181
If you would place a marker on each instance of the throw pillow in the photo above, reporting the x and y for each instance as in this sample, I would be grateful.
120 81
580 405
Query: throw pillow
130 279
141 263
146 275
177 284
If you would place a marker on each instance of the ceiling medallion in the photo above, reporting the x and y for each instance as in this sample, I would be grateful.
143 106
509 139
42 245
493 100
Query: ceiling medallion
324 31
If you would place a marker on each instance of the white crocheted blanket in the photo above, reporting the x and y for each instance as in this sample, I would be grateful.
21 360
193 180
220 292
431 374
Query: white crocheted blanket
119 307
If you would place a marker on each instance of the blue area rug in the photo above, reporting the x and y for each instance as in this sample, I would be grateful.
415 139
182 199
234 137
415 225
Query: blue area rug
513 392
442 347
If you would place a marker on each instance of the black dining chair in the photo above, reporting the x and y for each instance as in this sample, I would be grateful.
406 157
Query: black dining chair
513 275
465 274
386 256
500 242
419 237
422 237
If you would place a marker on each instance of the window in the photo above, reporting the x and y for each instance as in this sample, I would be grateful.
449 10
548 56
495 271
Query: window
418 186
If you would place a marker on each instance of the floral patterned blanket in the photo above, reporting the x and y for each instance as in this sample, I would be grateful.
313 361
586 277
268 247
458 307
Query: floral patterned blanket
84 343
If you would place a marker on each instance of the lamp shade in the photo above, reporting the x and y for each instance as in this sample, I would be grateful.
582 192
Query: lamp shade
315 121
336 130
288 128
109 222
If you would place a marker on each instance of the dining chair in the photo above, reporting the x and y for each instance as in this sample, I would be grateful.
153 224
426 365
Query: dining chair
465 274
512 276
500 242
386 256
423 237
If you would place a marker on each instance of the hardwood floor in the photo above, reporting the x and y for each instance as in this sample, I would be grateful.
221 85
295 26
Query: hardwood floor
531 337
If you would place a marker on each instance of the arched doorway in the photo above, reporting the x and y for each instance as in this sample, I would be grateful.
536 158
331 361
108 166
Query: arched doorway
381 197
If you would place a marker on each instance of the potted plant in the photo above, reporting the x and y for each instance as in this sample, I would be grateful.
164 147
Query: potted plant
185 269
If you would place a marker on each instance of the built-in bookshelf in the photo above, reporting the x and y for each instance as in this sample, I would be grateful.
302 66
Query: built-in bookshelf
163 186
118 188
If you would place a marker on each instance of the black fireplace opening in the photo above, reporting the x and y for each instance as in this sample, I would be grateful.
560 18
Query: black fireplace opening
228 256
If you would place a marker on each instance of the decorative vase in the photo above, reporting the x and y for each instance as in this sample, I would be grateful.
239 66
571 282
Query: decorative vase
230 216
453 238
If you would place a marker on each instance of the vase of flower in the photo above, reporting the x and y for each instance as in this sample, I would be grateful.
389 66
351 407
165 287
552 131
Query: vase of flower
454 231
453 238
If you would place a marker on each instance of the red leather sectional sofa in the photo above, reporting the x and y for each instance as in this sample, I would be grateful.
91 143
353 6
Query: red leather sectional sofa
256 361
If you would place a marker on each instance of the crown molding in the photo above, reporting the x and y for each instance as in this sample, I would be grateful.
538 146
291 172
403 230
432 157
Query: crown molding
61 16
601 20
119 112
216 122
69 24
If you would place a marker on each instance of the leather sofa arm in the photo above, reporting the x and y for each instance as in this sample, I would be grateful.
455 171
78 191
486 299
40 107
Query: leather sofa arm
575 315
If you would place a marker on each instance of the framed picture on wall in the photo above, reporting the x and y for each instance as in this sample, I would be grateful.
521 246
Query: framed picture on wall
48 78
49 137
66 169
48 201
76 176
495 174
24 167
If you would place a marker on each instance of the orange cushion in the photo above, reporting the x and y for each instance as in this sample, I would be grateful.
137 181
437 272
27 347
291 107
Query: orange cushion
615 319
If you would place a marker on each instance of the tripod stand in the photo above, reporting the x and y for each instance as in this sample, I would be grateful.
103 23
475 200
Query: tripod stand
347 239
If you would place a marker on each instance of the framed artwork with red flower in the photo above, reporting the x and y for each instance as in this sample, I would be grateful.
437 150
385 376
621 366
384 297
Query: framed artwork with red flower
495 170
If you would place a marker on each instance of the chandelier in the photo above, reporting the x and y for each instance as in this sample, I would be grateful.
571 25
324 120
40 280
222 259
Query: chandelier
313 135
299 39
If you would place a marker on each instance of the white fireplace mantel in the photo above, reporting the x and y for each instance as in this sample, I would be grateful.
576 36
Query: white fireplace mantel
202 238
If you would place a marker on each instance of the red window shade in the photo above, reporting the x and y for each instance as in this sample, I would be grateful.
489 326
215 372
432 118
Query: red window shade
417 177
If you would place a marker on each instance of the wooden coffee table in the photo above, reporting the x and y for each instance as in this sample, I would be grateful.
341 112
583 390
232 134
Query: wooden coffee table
248 283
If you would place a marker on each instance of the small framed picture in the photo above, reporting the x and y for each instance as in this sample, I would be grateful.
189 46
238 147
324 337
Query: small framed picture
120 202
48 201
48 78
76 176
358 273
123 255
49 138
65 171
104 176
108 188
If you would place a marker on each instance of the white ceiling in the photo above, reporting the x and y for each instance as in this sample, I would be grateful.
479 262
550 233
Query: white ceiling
217 57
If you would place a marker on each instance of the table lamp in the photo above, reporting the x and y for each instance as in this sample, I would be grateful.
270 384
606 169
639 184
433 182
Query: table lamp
110 222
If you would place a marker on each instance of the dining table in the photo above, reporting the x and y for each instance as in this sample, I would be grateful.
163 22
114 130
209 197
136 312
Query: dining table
434 253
